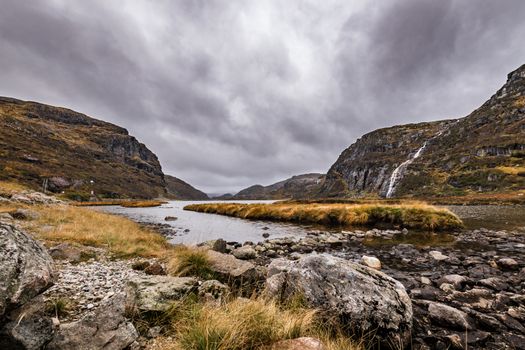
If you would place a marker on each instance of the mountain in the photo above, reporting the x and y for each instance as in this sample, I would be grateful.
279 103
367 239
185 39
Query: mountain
482 152
178 189
299 186
76 154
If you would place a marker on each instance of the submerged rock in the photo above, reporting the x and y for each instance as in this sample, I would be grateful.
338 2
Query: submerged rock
365 300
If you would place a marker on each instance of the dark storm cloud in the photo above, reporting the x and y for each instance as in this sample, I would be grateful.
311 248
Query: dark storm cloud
232 93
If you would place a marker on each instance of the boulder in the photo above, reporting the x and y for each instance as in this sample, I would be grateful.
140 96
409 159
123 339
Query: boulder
105 328
213 291
303 343
437 255
26 269
245 253
65 251
28 327
233 271
365 300
457 281
157 293
449 317
508 264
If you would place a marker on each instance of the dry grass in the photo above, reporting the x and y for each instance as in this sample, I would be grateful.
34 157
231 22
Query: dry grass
502 198
244 324
511 170
123 203
119 235
9 187
189 261
413 215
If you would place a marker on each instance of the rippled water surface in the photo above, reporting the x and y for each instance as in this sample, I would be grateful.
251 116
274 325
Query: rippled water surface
193 227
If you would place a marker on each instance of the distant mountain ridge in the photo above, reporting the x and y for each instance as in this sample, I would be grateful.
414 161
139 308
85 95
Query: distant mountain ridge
178 189
484 151
70 152
299 186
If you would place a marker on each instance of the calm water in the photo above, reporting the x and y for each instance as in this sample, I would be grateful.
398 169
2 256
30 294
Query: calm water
192 227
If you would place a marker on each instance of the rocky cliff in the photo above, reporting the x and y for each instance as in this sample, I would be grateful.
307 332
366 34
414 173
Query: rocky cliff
74 153
178 189
484 151
299 186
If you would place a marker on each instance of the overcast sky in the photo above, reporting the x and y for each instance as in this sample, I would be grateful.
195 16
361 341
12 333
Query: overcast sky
233 93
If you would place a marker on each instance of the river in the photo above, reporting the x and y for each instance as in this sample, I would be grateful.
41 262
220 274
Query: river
192 227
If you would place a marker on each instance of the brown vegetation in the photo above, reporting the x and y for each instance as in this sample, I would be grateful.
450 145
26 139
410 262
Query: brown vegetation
123 203
413 215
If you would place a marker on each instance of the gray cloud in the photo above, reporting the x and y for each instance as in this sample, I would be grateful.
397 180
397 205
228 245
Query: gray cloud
232 93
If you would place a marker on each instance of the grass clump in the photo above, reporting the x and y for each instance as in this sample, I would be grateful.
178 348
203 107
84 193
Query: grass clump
121 236
410 215
188 261
58 307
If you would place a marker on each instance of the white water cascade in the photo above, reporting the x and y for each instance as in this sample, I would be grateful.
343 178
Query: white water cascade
397 174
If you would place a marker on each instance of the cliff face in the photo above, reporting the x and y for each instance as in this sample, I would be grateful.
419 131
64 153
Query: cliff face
70 150
178 189
484 151
299 186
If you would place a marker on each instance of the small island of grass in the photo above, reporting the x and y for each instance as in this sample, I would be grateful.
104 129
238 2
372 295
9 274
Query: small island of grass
412 215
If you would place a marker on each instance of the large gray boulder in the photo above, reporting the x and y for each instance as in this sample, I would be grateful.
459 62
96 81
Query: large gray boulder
241 275
26 269
105 328
158 293
366 301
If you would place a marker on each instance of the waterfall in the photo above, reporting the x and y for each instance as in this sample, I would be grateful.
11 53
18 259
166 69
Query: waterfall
397 174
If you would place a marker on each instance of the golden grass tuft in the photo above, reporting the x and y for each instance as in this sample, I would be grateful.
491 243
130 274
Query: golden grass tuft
411 215
189 261
119 235
9 187
511 170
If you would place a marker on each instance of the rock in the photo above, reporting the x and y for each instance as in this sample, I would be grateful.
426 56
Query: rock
437 255
371 261
65 251
28 327
508 264
233 271
266 235
494 283
154 332
105 328
426 281
26 269
220 246
213 290
24 214
170 218
364 299
157 293
155 268
245 253
455 280
304 343
448 316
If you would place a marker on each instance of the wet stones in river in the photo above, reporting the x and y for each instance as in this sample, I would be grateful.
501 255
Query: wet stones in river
365 300
170 218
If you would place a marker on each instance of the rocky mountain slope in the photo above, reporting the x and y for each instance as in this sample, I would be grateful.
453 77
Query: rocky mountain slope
179 189
75 154
299 186
483 152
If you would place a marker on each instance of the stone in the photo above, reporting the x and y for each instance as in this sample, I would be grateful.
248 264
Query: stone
437 255
266 235
494 283
28 327
26 269
104 328
448 316
233 271
508 264
457 281
24 214
157 293
220 246
245 253
66 251
371 261
213 290
170 218
155 268
363 298
303 343
426 281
